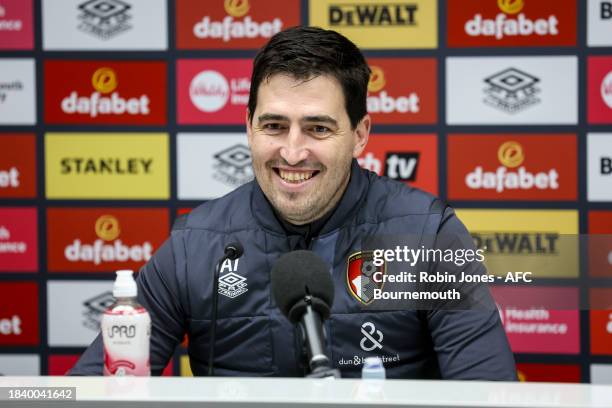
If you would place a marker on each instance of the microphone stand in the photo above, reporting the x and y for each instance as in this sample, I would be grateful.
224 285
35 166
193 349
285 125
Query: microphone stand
312 324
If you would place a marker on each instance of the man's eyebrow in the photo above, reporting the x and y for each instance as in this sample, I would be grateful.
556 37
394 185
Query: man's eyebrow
272 116
320 119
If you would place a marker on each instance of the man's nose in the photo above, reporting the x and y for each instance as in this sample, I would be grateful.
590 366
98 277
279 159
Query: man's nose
295 149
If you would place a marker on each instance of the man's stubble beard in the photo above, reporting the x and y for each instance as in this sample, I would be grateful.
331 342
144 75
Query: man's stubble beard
312 206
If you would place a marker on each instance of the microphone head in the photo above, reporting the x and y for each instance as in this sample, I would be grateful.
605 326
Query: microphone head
297 274
234 250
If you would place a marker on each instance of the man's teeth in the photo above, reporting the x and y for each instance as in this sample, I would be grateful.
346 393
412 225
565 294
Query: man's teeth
295 175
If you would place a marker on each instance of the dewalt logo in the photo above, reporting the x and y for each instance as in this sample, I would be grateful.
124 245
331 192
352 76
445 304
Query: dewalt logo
380 24
376 14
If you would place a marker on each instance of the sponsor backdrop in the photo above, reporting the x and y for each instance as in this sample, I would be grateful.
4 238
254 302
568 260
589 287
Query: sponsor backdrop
118 115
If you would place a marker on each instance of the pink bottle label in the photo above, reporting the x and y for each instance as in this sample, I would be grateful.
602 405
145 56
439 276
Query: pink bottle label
126 332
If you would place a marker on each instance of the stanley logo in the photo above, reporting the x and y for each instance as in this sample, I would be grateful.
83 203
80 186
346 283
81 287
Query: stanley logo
104 80
385 14
377 79
511 6
236 8
510 154
107 227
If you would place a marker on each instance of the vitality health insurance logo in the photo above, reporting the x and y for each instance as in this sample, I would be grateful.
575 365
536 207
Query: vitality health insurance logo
543 242
512 90
380 24
109 92
17 91
599 23
512 167
234 24
214 91
211 165
18 239
410 158
540 319
19 314
16 30
403 90
599 90
107 166
17 165
103 239
511 23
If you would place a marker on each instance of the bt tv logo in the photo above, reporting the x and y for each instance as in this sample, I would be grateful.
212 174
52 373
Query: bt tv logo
230 27
511 22
379 101
105 100
107 248
401 166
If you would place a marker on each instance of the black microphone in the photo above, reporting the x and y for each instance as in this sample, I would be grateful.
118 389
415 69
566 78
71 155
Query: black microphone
232 252
304 292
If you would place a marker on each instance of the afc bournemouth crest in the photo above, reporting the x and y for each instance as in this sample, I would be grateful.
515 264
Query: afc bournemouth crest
360 270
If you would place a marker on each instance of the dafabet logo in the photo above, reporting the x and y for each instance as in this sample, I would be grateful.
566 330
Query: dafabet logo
380 24
411 158
103 239
511 23
107 166
238 24
19 314
601 320
18 165
214 91
403 90
105 92
512 167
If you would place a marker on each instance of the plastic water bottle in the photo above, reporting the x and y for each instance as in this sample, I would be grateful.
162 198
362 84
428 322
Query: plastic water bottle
126 331
373 369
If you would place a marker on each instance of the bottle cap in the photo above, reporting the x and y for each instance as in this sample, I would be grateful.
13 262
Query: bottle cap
125 285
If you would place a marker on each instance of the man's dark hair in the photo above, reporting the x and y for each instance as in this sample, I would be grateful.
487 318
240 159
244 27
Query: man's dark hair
306 52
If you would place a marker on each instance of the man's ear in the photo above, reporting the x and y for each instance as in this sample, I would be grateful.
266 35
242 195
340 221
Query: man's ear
362 133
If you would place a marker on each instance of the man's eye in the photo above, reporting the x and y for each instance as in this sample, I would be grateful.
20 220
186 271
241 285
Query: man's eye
320 130
272 128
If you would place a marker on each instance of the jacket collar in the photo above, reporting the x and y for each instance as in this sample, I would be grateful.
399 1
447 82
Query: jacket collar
344 211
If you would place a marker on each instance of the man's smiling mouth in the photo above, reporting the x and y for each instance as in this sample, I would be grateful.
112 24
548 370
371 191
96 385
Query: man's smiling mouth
295 176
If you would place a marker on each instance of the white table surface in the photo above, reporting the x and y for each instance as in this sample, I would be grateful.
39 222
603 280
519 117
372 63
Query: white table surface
298 392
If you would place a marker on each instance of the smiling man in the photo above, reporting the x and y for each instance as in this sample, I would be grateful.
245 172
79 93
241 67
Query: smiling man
306 124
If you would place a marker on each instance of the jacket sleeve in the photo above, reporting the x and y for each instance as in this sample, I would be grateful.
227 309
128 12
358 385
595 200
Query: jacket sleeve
158 292
469 339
